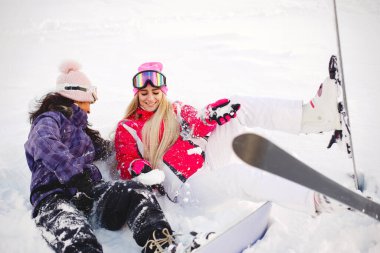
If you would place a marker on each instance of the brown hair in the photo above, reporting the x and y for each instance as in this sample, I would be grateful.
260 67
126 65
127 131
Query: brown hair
56 102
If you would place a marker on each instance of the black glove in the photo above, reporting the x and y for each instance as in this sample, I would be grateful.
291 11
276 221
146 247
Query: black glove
83 202
82 182
158 188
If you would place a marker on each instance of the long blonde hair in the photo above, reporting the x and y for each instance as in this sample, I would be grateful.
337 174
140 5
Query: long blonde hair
155 142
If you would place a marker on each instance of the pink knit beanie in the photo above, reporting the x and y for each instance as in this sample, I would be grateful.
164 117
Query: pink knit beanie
157 66
74 84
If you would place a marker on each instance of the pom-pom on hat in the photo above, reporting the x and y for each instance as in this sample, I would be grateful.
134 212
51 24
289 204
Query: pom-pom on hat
157 66
74 84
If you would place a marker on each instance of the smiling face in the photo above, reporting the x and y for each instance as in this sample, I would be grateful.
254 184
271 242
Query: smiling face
149 98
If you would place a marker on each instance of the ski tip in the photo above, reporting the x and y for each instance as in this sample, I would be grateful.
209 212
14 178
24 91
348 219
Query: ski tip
242 141
250 147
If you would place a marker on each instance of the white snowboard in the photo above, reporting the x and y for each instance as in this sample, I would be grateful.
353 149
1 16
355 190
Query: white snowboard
241 235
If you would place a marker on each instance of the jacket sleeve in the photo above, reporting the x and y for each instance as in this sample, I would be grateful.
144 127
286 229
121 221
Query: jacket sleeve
45 145
190 118
126 150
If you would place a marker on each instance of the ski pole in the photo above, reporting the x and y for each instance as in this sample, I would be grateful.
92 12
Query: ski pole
356 180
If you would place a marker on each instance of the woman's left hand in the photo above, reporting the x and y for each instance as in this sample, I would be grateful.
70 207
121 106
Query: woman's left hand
221 111
152 177
142 171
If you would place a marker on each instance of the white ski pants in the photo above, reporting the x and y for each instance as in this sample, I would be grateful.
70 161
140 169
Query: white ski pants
225 176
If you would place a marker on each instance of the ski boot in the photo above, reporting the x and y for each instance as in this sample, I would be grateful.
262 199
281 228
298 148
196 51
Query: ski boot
321 113
165 242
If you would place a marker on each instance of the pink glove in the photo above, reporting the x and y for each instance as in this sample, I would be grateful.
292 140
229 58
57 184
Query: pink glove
221 111
139 166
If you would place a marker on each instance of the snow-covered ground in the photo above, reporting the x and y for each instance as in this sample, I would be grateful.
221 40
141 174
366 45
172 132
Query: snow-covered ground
210 49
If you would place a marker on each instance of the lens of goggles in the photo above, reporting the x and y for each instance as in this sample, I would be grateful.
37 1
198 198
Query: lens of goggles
94 92
155 78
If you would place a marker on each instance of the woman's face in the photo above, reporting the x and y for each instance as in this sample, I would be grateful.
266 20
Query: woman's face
85 106
149 98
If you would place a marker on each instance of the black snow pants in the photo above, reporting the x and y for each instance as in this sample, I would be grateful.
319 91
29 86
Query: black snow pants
66 225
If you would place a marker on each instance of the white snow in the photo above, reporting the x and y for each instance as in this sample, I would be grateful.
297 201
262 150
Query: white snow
192 151
210 49
152 177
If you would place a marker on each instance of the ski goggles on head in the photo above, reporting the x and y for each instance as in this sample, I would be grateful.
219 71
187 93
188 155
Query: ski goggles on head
152 77
92 90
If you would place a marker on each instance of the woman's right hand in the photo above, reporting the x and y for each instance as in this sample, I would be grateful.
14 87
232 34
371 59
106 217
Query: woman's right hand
83 182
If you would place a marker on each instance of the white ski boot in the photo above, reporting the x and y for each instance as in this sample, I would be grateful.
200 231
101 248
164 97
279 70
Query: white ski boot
321 113
324 204
190 242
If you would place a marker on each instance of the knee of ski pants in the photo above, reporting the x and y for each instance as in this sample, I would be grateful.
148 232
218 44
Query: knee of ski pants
118 202
67 228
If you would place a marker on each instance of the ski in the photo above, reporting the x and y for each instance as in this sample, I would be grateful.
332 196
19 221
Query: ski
343 136
241 235
261 153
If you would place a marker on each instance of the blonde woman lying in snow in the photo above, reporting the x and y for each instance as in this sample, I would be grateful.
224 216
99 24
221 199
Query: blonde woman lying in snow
165 145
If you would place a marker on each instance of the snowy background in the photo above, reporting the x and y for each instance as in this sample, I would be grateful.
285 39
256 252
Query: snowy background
210 49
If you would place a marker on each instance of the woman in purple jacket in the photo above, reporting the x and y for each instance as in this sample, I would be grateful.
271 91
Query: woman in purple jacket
67 190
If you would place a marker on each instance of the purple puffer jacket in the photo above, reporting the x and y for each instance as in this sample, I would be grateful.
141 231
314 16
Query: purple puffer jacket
57 149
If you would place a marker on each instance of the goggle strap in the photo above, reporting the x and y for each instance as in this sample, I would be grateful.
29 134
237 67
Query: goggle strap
75 88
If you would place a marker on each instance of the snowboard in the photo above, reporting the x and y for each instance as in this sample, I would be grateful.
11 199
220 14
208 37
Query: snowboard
261 153
241 235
